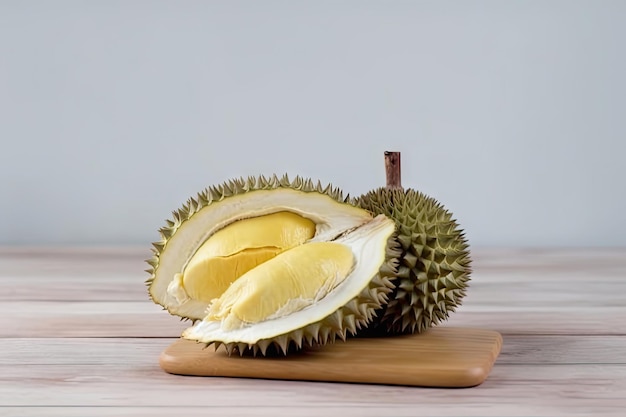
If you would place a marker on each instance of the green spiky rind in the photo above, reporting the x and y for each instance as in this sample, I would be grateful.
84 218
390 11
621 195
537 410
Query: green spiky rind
227 189
348 320
435 264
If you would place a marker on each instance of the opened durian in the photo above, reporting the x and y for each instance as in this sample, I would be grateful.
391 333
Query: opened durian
273 264
434 266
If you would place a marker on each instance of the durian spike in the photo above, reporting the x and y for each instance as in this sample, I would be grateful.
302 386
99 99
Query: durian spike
392 170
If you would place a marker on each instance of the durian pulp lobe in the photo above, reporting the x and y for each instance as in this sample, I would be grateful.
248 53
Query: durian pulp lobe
239 247
291 281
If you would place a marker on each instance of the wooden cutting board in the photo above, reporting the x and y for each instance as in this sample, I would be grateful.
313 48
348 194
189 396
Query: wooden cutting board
440 357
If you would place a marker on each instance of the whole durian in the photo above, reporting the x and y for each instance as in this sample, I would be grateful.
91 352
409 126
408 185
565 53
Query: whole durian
271 265
434 266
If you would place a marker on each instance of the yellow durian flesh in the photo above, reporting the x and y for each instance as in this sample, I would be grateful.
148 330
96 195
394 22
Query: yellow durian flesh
240 247
184 238
293 280
340 306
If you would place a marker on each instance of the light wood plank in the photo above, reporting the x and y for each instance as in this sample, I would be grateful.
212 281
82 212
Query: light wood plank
532 263
575 388
563 350
553 291
83 261
516 350
487 257
144 319
112 287
95 274
521 407
445 409
87 319
547 294
500 277
556 321
81 351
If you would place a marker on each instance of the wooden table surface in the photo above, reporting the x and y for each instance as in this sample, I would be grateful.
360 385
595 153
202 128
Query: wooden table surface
79 337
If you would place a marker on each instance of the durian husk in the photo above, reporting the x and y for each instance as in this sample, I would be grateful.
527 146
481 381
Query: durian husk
435 263
347 320
218 193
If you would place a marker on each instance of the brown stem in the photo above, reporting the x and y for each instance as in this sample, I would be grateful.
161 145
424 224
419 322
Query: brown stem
392 169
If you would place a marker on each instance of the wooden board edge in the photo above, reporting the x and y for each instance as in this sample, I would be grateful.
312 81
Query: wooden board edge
470 377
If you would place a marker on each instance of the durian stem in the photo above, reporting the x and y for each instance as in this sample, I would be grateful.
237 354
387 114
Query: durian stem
392 169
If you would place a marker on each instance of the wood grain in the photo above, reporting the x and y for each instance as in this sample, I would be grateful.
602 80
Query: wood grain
78 336
593 389
393 170
87 319
499 276
144 319
441 357
444 409
516 350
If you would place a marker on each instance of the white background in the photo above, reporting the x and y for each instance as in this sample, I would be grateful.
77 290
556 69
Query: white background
511 113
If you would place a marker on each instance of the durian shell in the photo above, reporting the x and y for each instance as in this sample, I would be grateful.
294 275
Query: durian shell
223 191
435 264
348 320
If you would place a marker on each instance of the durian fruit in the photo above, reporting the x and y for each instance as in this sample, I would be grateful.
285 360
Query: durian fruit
268 265
435 264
